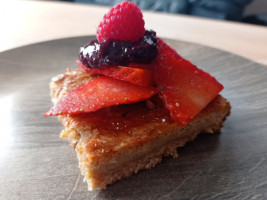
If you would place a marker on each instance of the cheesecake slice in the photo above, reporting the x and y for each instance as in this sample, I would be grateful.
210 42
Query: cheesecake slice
115 142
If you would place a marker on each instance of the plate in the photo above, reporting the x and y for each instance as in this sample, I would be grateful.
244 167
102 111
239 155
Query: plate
36 164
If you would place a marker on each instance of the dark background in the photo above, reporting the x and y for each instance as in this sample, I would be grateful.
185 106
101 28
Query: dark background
247 11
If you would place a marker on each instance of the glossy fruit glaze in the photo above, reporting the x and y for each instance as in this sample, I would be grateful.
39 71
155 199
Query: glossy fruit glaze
119 52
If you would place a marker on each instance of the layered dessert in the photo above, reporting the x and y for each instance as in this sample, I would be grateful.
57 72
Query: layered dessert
133 101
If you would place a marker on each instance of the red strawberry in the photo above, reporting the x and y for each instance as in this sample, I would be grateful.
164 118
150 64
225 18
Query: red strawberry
137 76
185 89
123 22
99 93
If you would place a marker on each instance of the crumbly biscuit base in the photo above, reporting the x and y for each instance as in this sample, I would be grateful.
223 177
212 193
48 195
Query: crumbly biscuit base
106 156
125 163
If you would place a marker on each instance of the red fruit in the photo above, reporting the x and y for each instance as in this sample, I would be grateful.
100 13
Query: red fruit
137 76
123 22
185 89
149 66
99 93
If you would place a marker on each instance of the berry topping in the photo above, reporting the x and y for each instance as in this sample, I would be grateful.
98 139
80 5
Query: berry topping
100 93
123 22
118 52
137 76
129 61
184 88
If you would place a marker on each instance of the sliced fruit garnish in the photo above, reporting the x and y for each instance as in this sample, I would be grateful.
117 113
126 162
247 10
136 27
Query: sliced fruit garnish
99 93
137 76
184 88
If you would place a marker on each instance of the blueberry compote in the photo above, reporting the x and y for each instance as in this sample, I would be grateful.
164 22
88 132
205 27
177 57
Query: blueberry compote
118 52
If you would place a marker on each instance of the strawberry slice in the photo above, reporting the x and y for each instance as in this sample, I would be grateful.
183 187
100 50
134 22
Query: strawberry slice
134 75
99 93
184 88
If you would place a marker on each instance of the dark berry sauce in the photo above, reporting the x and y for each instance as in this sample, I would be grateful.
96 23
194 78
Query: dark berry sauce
118 52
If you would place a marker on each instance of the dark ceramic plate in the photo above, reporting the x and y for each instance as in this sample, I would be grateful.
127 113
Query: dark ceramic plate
36 164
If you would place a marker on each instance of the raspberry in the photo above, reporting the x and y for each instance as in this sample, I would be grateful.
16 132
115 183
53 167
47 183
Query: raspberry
123 22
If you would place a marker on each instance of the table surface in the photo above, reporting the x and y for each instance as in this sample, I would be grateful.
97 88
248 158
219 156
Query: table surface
26 22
